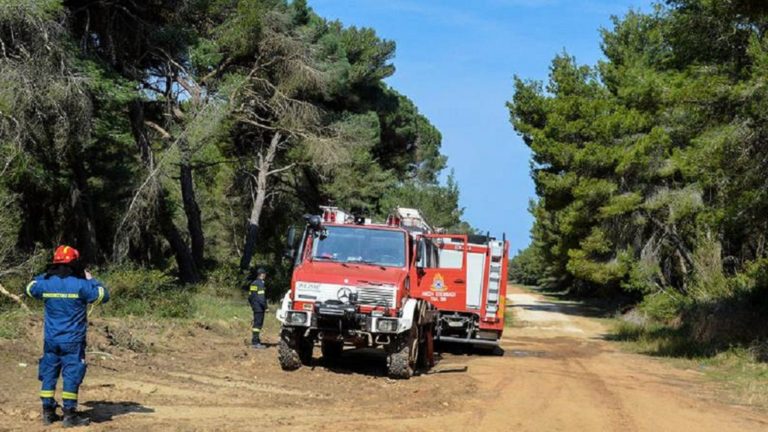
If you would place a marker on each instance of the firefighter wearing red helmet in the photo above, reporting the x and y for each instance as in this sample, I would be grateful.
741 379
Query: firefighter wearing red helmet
66 288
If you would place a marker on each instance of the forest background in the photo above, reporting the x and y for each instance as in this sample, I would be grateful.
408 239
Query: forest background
174 142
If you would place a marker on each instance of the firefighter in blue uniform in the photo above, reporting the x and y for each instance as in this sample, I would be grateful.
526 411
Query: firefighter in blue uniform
67 289
258 301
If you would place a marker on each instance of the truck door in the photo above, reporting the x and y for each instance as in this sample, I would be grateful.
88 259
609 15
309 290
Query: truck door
476 276
441 275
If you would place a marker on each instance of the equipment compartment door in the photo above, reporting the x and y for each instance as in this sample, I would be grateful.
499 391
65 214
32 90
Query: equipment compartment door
444 281
475 279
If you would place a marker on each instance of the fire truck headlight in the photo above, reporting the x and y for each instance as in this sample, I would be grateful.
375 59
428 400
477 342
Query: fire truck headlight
385 325
296 318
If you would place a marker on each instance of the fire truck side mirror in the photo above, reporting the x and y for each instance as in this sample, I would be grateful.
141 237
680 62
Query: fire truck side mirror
290 250
419 254
315 222
291 236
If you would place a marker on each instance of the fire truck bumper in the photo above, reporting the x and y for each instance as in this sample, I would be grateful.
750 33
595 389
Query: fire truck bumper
337 320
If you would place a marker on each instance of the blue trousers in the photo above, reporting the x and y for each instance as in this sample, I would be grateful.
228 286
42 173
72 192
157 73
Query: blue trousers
67 360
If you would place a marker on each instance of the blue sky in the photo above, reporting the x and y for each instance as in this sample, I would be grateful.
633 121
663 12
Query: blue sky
456 60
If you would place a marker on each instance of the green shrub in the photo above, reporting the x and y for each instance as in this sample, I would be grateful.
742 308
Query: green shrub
147 292
663 307
528 266
225 280
758 274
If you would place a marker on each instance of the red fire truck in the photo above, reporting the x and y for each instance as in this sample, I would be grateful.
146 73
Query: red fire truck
398 285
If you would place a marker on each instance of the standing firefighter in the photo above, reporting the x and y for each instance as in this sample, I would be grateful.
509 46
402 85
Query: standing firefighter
258 300
66 288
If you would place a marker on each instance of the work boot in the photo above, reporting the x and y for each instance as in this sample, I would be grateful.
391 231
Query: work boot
50 416
73 418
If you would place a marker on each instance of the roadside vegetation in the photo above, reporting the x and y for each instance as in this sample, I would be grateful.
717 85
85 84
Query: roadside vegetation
650 169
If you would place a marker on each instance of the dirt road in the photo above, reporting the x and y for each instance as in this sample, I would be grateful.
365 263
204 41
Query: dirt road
556 374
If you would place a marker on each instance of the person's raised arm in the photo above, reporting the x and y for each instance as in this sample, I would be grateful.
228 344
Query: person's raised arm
94 292
34 289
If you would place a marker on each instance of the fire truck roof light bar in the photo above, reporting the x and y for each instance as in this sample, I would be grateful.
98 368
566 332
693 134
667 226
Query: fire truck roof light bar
338 216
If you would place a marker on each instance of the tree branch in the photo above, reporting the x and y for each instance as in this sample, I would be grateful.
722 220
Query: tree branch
164 133
13 297
279 170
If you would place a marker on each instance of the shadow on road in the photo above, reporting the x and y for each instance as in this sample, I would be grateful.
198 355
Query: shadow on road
363 361
462 349
574 309
373 362
564 303
104 411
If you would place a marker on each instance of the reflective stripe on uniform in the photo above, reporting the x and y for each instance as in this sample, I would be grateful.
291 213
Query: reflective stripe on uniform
256 289
47 393
69 395
60 295
257 330
29 288
101 296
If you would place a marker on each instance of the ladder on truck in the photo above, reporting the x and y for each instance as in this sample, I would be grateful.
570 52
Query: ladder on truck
494 278
410 219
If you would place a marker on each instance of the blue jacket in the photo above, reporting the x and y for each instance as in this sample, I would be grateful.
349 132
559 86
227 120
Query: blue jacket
257 287
66 301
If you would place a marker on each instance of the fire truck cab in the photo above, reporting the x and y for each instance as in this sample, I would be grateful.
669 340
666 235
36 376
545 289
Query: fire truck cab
353 284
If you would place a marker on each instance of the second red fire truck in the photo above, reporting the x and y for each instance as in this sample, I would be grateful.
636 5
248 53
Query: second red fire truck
398 286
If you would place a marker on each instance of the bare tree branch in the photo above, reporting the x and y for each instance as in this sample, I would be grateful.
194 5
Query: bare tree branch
279 170
164 133
13 297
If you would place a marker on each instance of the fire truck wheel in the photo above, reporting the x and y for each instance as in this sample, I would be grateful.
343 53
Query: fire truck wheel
402 364
289 357
295 354
331 350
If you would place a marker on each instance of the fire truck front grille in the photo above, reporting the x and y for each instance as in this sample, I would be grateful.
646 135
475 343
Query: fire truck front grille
376 296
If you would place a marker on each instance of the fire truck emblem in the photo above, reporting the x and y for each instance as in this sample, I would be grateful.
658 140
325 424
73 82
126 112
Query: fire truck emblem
438 283
343 294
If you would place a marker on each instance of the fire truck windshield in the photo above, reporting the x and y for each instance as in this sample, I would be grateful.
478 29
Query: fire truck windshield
350 244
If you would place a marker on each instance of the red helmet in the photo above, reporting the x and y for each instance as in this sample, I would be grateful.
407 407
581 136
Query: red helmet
65 255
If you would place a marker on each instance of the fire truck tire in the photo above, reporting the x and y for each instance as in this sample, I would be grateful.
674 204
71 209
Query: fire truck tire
293 357
402 364
331 350
398 365
289 357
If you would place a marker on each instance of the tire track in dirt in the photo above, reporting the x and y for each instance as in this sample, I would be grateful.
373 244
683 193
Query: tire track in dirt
621 420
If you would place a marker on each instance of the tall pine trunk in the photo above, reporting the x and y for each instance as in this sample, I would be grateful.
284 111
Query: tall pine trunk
191 208
264 164
188 272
